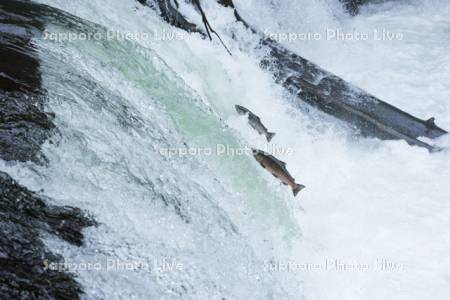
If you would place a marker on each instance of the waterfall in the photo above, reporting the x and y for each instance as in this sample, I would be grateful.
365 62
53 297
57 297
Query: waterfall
148 143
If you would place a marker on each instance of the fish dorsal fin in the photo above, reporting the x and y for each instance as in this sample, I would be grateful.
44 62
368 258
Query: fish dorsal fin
430 122
252 115
281 163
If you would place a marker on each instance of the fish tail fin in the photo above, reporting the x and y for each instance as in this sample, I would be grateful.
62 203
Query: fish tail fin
297 188
270 136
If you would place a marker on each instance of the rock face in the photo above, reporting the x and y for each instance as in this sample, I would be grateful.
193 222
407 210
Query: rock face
24 273
170 13
24 126
353 5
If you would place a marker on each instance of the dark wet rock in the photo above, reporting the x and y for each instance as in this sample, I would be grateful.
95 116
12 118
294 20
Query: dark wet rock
226 3
170 14
353 5
24 125
23 256
23 274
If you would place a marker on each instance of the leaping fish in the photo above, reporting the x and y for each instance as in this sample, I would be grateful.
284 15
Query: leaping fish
255 122
278 169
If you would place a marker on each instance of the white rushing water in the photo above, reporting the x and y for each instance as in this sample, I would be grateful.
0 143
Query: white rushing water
373 222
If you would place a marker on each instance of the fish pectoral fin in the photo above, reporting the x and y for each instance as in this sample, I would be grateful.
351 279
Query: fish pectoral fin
284 183
274 175
262 165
